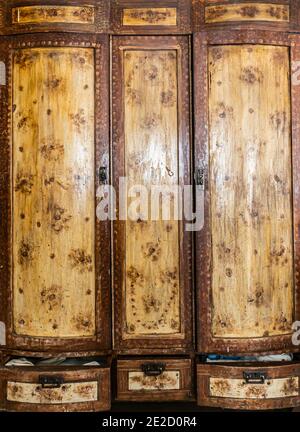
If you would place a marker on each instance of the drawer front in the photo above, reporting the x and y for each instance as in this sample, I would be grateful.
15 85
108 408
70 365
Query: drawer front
70 389
144 380
249 387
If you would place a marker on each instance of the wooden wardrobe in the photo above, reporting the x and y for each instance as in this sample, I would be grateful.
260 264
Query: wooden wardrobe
168 93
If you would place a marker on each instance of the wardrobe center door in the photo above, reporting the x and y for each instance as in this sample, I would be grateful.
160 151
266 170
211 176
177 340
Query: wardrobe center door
55 262
152 265
250 194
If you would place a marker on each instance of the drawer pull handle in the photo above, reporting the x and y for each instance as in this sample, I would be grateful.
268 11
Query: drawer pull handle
51 381
153 369
255 377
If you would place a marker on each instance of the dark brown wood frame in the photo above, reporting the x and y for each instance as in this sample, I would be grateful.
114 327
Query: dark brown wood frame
206 343
102 339
155 344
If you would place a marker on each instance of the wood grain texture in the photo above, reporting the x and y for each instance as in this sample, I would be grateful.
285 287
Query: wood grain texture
151 146
175 383
151 158
53 192
221 385
247 12
239 389
250 175
68 393
53 14
150 17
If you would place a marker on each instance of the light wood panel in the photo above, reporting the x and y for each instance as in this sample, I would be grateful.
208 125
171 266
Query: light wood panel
53 14
138 381
150 17
151 158
67 393
247 12
53 192
239 389
250 178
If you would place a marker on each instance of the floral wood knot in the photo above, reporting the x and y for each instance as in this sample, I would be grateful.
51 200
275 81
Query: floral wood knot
81 261
151 73
248 11
25 252
51 149
256 392
283 324
25 58
52 296
84 390
151 16
279 121
151 250
17 391
134 275
82 322
134 96
221 386
278 12
217 53
169 276
258 298
24 183
60 219
251 75
291 387
85 13
78 119
215 12
151 121
150 303
53 83
167 98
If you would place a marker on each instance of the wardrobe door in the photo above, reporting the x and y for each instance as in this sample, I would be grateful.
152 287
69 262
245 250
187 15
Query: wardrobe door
58 138
247 251
151 147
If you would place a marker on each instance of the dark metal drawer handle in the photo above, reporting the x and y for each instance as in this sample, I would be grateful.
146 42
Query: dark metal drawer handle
200 177
153 369
51 381
255 377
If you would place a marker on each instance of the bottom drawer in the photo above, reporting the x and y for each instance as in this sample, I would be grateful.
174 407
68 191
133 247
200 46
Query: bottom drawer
55 389
248 386
154 380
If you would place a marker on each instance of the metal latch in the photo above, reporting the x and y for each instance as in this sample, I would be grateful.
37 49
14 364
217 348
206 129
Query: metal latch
200 177
102 175
48 381
255 377
153 369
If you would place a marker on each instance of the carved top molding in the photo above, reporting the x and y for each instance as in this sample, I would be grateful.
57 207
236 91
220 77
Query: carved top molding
146 16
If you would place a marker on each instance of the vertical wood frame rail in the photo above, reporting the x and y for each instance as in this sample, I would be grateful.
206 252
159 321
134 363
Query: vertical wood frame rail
206 343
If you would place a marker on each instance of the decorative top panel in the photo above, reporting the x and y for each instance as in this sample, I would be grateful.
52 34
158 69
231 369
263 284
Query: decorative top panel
53 14
150 17
247 12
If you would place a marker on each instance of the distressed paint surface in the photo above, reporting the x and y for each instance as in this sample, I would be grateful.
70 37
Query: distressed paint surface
165 381
53 192
151 155
247 12
238 389
153 17
250 171
53 14
67 393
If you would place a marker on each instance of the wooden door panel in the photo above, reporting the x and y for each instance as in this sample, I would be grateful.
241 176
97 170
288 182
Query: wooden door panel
247 294
251 191
60 287
154 293
53 192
